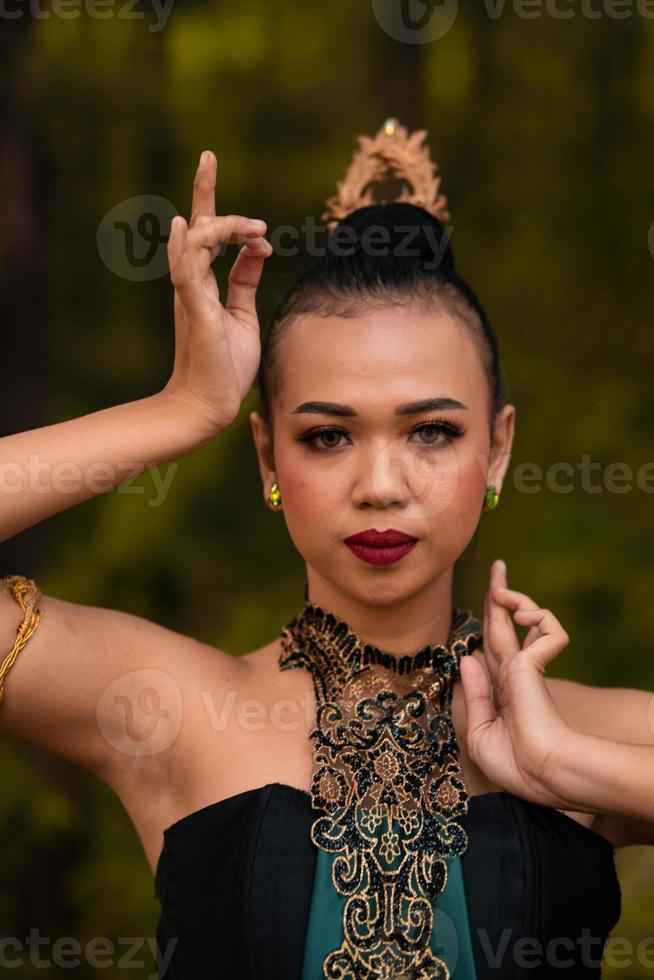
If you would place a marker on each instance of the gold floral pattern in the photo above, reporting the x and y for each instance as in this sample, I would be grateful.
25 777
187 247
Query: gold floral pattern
387 786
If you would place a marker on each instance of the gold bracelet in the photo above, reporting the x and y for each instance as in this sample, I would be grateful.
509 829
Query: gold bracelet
27 594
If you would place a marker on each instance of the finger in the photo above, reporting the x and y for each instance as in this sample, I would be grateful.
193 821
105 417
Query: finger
477 695
490 659
533 634
233 229
543 622
517 599
188 288
523 603
257 245
503 638
204 188
244 277
177 247
488 652
551 638
179 258
486 624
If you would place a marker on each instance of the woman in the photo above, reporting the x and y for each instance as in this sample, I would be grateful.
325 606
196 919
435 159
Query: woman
391 787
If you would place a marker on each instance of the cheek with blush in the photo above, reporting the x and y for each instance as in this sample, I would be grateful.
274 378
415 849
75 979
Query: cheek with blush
472 485
310 511
458 513
448 484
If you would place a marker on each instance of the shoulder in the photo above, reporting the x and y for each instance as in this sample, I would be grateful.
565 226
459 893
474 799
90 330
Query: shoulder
91 682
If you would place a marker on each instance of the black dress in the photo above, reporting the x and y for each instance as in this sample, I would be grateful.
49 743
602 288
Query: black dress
239 882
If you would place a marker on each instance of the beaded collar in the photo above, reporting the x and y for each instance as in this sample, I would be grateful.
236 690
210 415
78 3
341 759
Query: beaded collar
334 653
387 786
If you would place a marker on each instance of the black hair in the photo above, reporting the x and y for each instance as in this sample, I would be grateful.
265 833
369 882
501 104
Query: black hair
379 254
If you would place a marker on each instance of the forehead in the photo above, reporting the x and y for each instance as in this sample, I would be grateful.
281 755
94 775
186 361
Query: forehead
393 353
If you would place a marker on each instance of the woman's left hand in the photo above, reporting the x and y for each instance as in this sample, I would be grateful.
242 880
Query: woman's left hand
514 729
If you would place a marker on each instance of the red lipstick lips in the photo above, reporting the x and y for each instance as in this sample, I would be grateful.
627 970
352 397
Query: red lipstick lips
381 547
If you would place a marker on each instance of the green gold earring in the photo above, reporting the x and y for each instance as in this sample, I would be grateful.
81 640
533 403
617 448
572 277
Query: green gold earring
491 498
275 497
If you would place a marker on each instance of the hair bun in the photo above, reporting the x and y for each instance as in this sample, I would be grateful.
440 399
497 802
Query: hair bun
400 230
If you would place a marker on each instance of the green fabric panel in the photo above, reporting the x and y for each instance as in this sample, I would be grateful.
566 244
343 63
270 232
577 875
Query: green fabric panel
325 928
450 937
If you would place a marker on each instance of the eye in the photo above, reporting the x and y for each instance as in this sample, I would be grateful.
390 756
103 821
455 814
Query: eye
443 432
324 432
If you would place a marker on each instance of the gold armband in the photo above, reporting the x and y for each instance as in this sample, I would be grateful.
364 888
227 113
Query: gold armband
27 595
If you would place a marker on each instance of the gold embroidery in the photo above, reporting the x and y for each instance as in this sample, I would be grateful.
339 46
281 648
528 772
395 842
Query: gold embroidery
388 787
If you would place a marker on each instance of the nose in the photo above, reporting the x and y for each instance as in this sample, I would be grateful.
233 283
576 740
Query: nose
382 479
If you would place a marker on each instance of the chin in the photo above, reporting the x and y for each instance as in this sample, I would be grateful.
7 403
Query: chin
384 593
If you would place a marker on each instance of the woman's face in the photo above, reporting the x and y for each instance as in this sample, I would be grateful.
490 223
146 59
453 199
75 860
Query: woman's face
353 449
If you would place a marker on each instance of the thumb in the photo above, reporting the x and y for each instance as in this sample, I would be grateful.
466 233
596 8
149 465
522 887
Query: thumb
478 697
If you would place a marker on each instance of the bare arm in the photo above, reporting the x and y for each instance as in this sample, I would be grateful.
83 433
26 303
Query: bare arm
622 715
46 470
95 686
73 687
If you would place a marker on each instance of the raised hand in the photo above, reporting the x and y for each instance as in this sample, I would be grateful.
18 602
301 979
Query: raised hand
217 346
514 729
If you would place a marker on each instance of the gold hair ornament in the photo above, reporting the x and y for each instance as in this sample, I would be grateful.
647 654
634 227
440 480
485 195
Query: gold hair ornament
26 593
393 151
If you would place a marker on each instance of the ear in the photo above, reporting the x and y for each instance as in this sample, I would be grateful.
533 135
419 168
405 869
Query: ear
501 445
264 446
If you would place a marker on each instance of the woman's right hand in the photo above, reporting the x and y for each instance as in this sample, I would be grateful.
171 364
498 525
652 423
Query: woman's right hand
217 347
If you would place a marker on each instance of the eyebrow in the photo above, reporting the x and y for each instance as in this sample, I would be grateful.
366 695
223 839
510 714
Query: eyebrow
410 408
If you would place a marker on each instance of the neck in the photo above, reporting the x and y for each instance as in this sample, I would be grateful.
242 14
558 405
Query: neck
392 622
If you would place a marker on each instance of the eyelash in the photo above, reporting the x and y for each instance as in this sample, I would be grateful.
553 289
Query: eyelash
446 427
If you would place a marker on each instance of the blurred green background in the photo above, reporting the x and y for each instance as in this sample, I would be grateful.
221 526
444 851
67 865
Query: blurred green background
542 128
